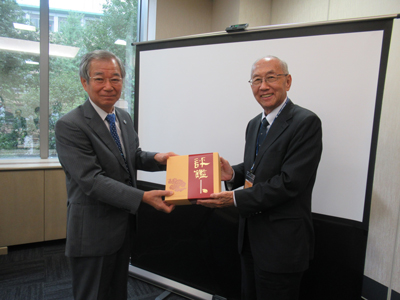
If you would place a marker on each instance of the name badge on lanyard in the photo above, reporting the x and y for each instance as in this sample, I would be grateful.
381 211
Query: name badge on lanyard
248 183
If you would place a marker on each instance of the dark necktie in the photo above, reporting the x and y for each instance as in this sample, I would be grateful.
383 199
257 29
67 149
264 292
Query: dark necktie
113 129
262 133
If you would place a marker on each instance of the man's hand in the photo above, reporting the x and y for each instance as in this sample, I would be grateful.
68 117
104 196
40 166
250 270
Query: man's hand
220 200
162 158
226 170
154 199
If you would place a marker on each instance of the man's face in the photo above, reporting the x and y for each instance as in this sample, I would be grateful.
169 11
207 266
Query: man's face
105 83
270 95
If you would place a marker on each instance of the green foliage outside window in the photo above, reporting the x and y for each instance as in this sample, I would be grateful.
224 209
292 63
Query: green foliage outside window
20 82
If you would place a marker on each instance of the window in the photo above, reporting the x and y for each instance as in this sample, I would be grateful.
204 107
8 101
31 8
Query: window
75 28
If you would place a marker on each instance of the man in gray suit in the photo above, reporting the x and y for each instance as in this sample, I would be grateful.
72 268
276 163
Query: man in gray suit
98 149
276 236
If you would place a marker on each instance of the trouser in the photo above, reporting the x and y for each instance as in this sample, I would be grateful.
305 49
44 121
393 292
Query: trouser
261 285
102 277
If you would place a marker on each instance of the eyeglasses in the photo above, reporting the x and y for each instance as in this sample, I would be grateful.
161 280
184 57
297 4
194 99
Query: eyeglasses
115 81
268 79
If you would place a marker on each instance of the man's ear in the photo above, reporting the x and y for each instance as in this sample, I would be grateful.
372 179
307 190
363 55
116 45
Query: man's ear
84 83
288 82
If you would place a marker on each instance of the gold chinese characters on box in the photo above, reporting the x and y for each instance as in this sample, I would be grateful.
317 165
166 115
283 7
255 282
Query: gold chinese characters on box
193 177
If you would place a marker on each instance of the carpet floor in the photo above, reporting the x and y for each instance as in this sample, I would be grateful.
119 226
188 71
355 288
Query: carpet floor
40 271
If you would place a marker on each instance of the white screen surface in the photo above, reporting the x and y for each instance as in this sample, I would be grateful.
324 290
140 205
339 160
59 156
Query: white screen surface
197 99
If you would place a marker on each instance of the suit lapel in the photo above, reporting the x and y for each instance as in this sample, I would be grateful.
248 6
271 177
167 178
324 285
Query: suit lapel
124 137
124 134
277 128
97 125
251 141
127 135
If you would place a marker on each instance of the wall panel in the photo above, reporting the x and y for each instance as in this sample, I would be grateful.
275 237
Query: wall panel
181 17
299 11
225 13
55 205
22 207
385 206
344 9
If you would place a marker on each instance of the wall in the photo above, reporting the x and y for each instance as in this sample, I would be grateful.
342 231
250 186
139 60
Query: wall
255 12
177 18
225 13
345 9
383 249
383 255
298 11
182 17
229 12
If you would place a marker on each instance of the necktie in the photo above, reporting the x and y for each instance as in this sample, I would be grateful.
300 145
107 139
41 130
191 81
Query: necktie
113 130
262 133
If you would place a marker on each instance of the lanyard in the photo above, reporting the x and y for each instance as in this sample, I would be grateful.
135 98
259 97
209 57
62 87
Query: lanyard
279 112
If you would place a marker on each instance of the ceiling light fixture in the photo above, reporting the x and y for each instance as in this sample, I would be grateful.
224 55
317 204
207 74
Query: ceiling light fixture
24 27
32 47
120 42
30 62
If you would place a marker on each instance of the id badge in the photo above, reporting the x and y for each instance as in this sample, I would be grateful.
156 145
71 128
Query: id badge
249 180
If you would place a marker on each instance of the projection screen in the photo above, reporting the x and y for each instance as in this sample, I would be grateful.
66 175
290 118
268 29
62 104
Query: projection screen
195 98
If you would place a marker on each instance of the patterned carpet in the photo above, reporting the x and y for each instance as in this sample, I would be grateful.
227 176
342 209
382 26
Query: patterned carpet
40 271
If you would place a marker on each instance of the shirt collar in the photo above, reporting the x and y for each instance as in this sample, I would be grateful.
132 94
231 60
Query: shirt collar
101 112
272 115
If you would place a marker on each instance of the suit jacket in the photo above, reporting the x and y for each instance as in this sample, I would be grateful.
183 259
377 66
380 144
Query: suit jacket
100 198
277 209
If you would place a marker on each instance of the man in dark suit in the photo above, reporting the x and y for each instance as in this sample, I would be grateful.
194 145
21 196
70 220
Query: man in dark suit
276 237
100 174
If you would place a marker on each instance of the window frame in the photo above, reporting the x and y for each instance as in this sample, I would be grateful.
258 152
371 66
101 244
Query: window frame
144 9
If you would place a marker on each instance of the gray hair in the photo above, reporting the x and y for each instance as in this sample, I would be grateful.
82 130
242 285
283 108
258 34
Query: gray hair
98 54
283 64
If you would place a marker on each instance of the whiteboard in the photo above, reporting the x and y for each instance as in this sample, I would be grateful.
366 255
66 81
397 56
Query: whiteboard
197 99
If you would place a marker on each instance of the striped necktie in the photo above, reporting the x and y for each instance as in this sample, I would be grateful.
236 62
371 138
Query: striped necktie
262 133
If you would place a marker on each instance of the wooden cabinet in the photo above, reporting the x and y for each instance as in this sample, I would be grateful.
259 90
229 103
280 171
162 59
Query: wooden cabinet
55 205
21 207
33 206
